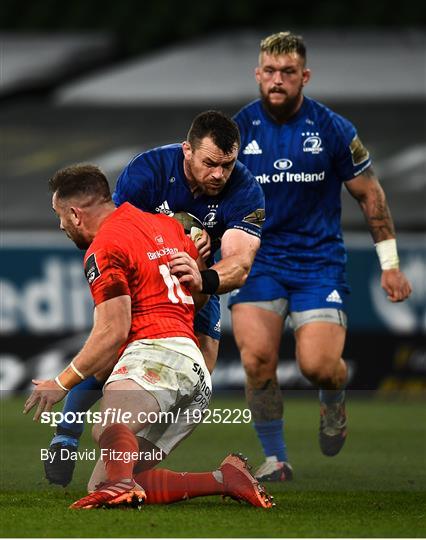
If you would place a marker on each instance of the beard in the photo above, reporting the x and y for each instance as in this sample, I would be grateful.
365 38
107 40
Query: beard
284 110
79 240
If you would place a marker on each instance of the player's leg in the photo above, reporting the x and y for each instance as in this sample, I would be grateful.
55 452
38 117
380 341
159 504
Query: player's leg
118 443
152 457
151 376
209 346
207 330
320 337
79 400
257 332
83 396
232 478
163 486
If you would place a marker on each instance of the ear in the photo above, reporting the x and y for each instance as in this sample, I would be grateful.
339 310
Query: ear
306 76
187 151
76 215
257 73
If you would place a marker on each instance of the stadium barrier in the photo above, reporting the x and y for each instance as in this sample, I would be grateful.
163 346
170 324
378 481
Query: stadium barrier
47 310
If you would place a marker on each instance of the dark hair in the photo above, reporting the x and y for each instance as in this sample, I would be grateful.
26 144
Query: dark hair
218 126
80 180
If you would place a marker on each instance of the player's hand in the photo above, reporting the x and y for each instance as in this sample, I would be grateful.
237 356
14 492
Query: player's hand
46 394
203 244
396 285
183 266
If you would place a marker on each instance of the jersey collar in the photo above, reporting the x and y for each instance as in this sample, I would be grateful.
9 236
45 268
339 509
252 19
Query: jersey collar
300 113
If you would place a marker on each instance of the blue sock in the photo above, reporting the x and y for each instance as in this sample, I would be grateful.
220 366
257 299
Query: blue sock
64 440
271 435
79 399
331 396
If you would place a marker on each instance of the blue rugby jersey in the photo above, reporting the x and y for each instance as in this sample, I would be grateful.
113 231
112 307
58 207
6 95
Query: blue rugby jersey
301 166
155 182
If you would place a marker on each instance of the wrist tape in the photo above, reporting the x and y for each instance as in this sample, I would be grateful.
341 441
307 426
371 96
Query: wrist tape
388 254
68 378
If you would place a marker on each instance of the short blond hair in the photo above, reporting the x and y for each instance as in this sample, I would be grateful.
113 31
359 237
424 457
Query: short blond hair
283 43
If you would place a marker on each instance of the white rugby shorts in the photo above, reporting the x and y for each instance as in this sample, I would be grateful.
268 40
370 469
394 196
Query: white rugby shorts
174 372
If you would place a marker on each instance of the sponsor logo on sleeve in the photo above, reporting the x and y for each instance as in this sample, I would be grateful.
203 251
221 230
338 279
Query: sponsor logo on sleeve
91 269
256 218
358 151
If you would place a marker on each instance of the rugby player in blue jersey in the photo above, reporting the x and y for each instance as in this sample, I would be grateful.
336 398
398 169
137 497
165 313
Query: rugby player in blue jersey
202 177
302 153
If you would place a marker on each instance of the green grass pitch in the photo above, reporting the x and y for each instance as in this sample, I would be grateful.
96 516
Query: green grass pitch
374 488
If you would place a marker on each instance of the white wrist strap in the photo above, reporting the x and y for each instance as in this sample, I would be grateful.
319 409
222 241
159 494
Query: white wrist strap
82 377
388 254
58 382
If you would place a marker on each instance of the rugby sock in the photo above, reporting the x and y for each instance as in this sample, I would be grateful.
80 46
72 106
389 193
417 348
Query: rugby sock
118 439
79 399
64 440
271 436
163 486
331 396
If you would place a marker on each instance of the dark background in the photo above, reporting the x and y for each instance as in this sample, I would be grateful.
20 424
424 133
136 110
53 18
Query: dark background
143 26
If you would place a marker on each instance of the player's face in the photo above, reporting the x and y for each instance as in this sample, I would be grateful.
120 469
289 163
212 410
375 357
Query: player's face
281 80
207 167
70 222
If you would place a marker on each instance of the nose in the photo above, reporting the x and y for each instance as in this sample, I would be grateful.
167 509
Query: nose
278 77
218 172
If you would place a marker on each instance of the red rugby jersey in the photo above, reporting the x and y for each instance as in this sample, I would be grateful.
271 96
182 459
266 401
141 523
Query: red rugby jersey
129 256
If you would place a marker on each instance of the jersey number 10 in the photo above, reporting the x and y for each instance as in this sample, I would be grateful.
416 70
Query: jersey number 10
174 289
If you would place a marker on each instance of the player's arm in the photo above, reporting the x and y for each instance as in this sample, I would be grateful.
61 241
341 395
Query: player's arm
187 270
186 265
238 249
110 331
366 189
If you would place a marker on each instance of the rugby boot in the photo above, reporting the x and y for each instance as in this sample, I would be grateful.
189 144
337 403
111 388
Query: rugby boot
332 431
274 471
239 484
112 494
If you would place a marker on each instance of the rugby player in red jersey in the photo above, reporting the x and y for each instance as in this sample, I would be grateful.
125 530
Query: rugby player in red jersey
144 280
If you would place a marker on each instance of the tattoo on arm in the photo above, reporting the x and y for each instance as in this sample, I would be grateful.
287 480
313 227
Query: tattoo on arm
373 203
265 403
378 216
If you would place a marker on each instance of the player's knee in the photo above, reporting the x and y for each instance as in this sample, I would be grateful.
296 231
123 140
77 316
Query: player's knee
259 367
321 371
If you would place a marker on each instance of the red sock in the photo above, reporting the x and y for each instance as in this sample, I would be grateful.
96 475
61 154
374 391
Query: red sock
118 438
164 486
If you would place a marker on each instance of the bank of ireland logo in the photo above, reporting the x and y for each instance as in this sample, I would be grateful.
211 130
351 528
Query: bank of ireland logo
210 218
312 143
283 164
